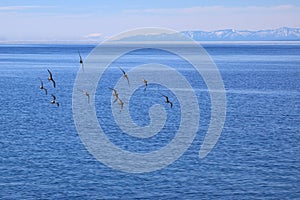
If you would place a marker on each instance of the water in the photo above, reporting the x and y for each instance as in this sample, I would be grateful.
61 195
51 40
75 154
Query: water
256 157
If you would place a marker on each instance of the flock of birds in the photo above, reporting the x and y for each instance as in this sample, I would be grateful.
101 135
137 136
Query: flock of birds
114 91
42 87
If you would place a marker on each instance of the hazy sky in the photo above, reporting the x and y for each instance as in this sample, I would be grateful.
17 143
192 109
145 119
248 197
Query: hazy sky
92 19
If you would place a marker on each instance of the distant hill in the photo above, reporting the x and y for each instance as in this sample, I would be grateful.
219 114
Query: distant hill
280 34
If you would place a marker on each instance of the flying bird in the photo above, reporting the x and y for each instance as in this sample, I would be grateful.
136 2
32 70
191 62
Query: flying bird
42 86
146 84
50 78
53 101
81 61
125 75
168 101
86 94
115 94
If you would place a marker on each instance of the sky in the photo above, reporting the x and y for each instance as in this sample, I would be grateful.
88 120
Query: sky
57 20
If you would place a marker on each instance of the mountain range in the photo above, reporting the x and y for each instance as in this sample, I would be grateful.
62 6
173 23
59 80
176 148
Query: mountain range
283 33
280 34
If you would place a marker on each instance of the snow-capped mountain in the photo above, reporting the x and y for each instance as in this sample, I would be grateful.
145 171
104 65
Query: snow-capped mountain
283 33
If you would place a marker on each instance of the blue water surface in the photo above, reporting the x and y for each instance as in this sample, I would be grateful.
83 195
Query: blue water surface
256 157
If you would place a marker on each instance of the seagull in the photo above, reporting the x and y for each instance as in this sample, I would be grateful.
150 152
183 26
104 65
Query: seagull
167 100
146 84
120 102
42 86
53 100
115 94
80 61
86 94
50 78
125 75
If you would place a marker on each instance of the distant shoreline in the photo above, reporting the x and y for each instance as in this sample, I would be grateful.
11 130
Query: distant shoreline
172 42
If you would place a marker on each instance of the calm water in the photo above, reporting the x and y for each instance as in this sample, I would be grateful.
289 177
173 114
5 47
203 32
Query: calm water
256 157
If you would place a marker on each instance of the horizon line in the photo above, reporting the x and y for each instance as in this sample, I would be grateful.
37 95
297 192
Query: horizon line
99 40
76 42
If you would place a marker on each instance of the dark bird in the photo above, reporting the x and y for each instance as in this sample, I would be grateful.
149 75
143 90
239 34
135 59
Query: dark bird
115 94
50 78
53 101
81 61
168 101
125 75
86 94
146 84
42 86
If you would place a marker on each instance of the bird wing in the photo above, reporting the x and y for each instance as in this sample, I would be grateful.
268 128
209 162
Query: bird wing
54 84
115 92
42 84
115 100
49 73
122 70
127 79
121 104
46 91
81 61
54 97
88 98
80 57
146 84
167 98
171 104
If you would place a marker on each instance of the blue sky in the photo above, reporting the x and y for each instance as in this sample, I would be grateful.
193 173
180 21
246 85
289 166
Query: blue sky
91 19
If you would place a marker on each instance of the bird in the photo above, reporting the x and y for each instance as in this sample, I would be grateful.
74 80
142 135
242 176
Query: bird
115 94
81 61
146 84
53 101
42 86
50 78
86 94
168 101
125 75
120 102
